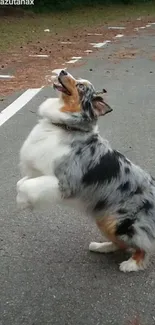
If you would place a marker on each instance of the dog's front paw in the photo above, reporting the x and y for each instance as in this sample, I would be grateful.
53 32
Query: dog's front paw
22 202
20 182
22 198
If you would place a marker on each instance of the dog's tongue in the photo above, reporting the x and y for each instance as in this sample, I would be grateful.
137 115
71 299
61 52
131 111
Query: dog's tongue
60 87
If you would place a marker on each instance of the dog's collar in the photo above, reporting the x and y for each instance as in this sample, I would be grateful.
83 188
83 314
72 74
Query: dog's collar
67 128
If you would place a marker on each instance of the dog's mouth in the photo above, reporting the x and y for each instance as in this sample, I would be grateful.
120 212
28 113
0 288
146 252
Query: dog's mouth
61 87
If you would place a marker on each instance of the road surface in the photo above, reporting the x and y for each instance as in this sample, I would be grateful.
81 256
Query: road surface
48 276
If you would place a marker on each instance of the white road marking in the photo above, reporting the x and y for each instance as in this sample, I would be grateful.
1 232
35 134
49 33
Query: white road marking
143 27
98 45
66 42
116 27
39 55
88 51
19 103
91 34
119 35
74 59
6 76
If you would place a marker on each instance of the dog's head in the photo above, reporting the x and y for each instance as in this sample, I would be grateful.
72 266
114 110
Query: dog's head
79 96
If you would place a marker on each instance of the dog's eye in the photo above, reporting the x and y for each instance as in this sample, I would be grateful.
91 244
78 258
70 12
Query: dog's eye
80 86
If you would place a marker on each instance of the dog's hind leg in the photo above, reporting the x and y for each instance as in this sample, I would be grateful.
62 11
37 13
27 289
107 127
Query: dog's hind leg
114 231
107 228
137 262
40 190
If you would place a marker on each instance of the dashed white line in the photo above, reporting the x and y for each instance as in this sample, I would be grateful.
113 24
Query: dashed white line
119 27
66 42
19 103
98 45
39 55
91 34
6 76
119 36
142 27
74 59
88 51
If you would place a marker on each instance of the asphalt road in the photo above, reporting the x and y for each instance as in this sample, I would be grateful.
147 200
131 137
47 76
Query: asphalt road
48 276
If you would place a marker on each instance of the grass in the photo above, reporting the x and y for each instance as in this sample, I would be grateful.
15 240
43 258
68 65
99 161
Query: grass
16 31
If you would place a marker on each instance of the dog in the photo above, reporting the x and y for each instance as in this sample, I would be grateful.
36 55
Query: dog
64 159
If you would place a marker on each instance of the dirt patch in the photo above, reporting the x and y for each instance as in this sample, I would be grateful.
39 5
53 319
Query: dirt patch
152 57
60 47
126 53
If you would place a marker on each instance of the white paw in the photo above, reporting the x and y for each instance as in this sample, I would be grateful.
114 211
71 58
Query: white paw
131 266
106 247
22 201
20 182
22 198
93 246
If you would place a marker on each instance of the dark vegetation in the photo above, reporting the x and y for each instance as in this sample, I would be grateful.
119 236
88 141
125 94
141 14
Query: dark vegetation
57 5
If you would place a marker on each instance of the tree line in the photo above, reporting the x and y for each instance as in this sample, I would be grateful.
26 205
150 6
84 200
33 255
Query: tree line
70 4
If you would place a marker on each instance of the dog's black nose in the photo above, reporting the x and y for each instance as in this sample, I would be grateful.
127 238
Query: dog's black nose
63 73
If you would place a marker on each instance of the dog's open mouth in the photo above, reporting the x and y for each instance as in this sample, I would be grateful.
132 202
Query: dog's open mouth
61 87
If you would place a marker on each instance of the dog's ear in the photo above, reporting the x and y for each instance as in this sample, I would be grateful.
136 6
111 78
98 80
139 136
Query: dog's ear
101 108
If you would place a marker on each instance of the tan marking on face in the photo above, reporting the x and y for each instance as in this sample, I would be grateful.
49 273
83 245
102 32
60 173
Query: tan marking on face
138 256
107 226
71 103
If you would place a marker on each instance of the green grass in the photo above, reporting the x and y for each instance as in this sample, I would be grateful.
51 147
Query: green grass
15 31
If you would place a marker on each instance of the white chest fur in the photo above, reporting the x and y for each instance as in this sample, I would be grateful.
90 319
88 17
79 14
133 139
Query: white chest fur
44 147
